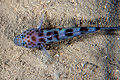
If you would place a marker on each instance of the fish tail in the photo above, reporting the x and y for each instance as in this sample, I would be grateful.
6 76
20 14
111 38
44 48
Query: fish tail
113 28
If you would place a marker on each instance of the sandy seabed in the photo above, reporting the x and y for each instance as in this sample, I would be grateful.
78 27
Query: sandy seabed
93 56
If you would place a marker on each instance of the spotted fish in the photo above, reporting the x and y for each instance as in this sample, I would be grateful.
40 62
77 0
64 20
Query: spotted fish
36 37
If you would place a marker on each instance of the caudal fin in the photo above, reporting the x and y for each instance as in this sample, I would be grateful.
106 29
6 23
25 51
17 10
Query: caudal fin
114 28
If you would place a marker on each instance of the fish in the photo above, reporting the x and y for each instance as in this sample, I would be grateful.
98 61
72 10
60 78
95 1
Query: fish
37 37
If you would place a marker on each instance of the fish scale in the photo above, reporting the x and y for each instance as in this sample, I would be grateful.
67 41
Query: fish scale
36 37
33 38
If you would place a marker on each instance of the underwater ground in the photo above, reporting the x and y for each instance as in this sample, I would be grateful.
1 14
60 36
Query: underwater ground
94 56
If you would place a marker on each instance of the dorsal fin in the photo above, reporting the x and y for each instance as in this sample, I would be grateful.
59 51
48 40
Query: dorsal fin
41 21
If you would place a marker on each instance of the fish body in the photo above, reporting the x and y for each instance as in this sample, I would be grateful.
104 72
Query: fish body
33 38
36 37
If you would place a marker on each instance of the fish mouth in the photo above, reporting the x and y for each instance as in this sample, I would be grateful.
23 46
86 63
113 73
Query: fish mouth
18 40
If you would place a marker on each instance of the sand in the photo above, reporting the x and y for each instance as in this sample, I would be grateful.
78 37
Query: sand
93 56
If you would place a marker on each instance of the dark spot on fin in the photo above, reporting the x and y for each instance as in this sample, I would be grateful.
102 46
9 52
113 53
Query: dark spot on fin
39 44
31 42
28 41
51 42
97 28
37 30
56 35
69 32
29 34
56 32
82 32
33 38
49 33
60 28
50 38
40 34
26 46
83 29
30 30
42 40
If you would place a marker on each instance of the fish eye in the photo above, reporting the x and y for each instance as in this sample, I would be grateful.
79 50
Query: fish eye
22 36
